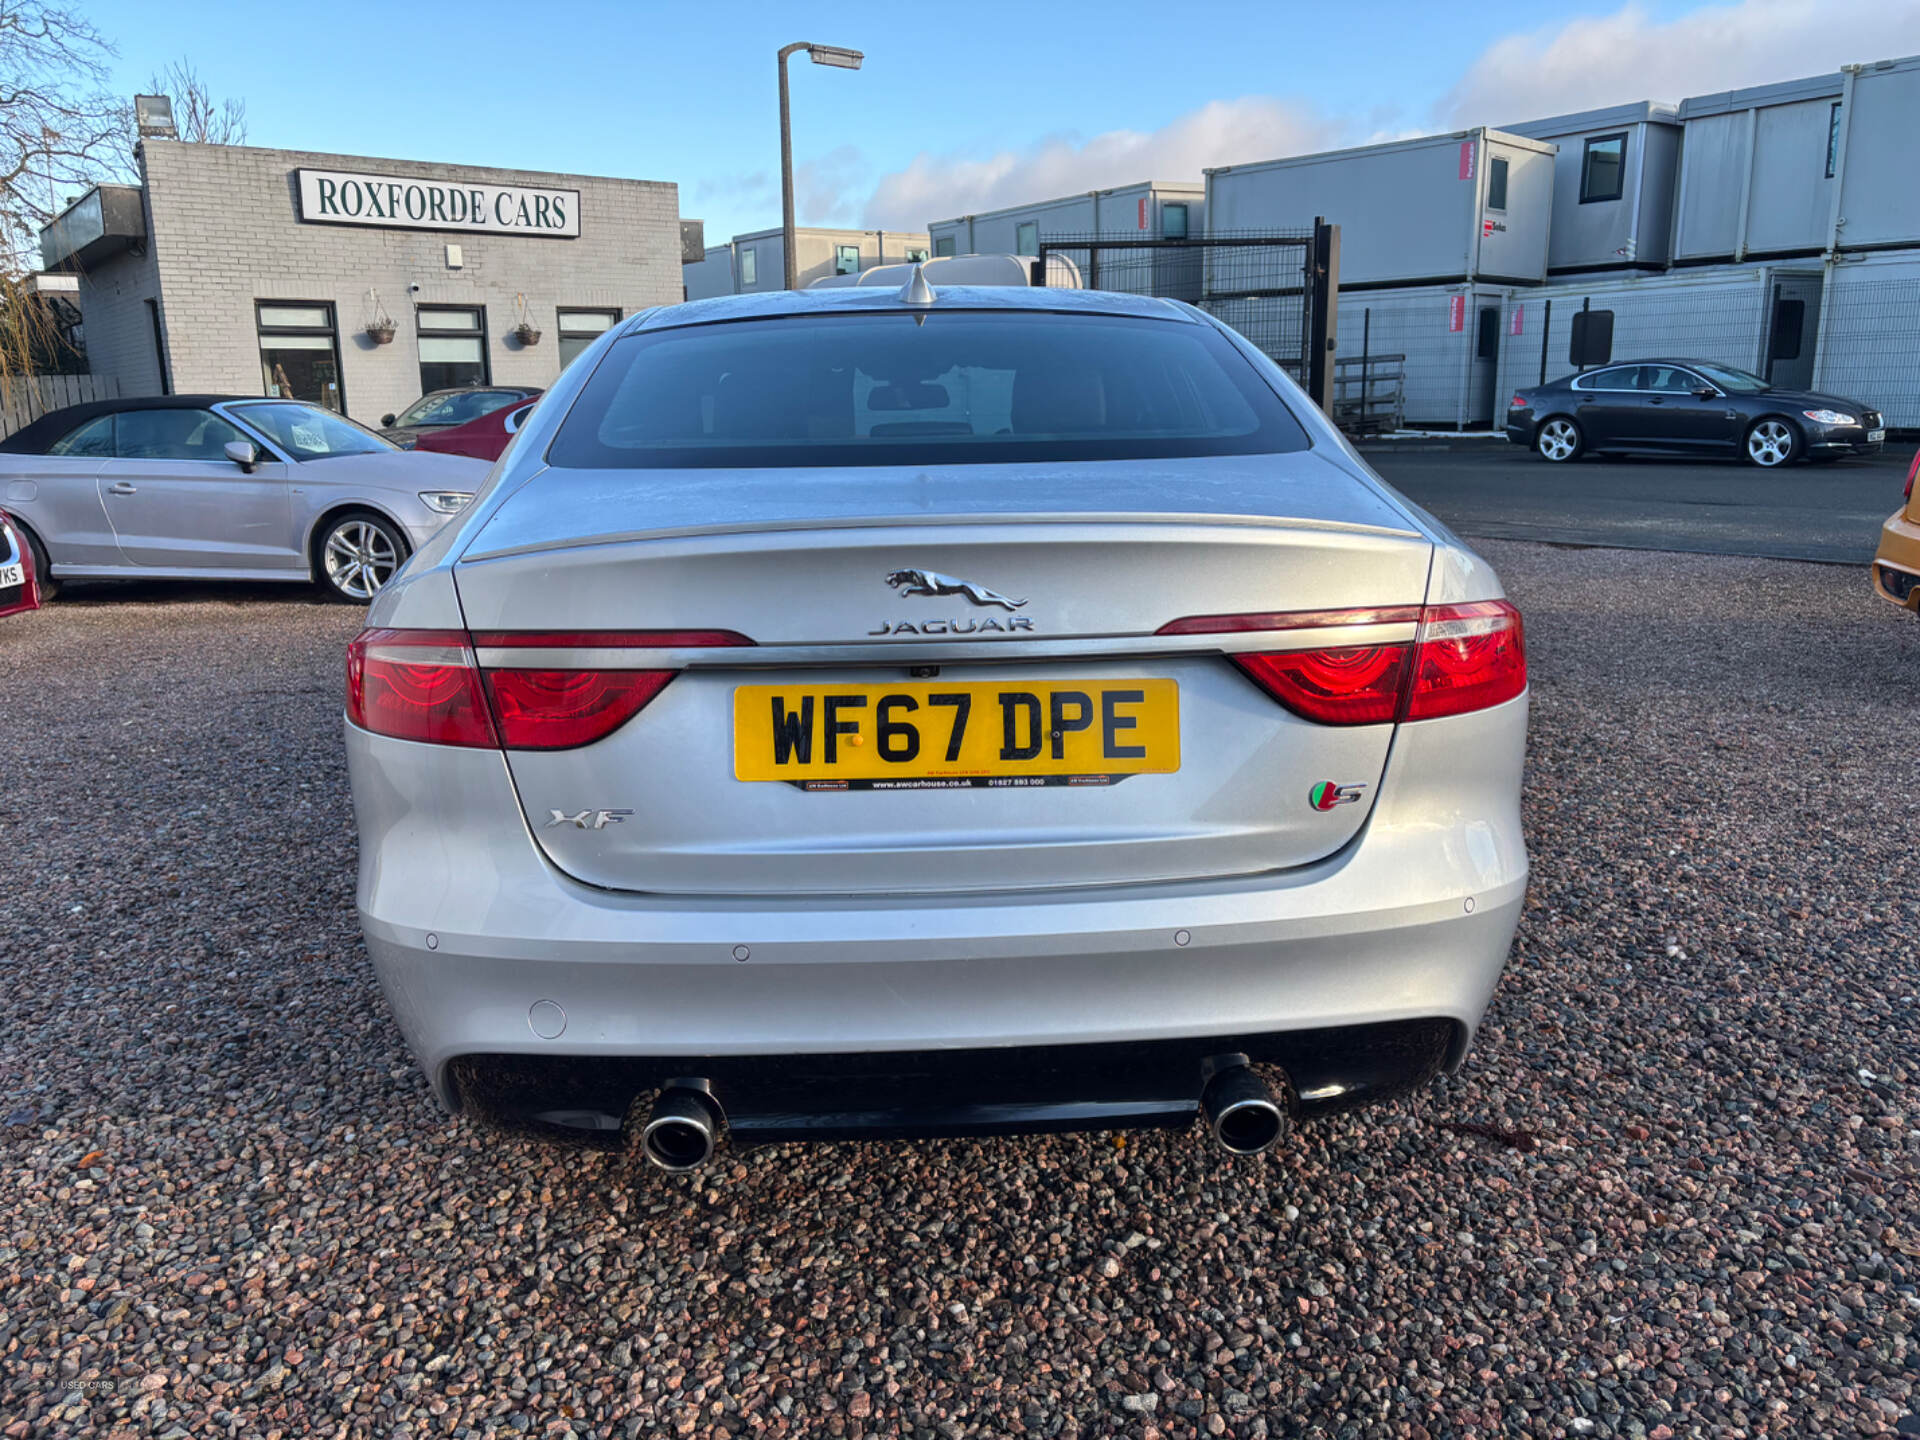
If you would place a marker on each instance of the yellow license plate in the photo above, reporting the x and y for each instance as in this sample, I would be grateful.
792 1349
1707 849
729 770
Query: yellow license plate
945 734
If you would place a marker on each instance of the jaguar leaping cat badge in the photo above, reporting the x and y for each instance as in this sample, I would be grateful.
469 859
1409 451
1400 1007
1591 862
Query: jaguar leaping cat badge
926 582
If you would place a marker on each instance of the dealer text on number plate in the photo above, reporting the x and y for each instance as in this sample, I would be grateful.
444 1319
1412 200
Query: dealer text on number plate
941 734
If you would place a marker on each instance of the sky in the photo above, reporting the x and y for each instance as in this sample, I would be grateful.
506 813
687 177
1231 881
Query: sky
958 108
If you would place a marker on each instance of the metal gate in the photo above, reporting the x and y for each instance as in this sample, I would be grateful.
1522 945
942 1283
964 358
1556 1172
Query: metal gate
1278 288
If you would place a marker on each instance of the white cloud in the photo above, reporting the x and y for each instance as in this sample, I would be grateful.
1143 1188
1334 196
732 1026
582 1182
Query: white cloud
826 189
1625 56
1223 132
1579 64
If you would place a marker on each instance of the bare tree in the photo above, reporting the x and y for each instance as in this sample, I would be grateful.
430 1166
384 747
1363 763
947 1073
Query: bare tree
197 116
59 131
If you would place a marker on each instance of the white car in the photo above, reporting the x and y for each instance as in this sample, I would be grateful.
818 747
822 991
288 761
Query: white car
210 487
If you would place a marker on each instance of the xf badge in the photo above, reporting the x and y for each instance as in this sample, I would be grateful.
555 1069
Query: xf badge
587 819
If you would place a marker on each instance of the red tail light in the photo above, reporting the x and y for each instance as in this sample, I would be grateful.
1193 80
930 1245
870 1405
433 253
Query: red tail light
1468 657
1461 658
561 709
1357 686
429 685
1912 470
417 685
1518 402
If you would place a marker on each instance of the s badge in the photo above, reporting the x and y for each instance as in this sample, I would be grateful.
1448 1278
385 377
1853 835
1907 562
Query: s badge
1326 795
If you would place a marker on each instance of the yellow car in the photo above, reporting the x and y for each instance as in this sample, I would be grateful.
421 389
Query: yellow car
1896 566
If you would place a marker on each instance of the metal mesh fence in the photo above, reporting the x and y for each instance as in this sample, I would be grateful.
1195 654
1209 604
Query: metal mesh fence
1870 342
1447 357
1256 283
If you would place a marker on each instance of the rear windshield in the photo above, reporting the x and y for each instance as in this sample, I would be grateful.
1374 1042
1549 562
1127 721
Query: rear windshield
929 388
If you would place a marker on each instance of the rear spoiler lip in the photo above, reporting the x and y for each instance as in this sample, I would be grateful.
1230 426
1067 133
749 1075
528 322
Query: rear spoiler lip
1202 520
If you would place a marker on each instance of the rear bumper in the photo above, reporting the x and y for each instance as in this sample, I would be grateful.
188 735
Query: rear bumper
1896 564
523 993
1519 427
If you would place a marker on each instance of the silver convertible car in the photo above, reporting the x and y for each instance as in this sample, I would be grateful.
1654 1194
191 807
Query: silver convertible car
211 487
856 713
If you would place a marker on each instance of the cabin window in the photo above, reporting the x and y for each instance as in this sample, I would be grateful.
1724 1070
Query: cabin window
1603 170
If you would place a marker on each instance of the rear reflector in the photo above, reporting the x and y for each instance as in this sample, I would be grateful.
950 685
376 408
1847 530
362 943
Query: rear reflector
1912 470
1462 658
417 685
428 685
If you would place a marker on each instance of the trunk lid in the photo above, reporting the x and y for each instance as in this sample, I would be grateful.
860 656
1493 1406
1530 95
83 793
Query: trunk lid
1064 576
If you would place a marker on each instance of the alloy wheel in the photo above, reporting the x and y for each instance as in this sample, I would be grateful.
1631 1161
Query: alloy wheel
1559 440
1770 443
360 557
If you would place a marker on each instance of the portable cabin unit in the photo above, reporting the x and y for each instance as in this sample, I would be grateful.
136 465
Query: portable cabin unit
1444 341
1613 186
1877 206
1471 206
710 275
754 263
1149 210
1762 318
1757 171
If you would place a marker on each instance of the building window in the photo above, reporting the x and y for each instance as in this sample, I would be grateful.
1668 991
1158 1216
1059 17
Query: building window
1497 183
580 328
1173 222
453 346
846 259
749 267
299 352
1603 171
1592 340
916 255
1026 238
943 246
1833 139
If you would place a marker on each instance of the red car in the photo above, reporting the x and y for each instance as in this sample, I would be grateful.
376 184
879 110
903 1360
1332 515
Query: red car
19 587
483 438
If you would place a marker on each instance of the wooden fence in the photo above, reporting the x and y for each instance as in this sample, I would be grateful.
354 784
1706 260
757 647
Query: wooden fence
25 398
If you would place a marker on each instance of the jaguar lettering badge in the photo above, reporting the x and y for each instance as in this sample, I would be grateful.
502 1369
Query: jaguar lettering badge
929 582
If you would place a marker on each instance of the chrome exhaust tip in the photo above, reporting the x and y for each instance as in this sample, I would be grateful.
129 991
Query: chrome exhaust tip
683 1128
1241 1111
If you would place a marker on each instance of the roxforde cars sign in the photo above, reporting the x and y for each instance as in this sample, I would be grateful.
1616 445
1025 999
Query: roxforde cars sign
403 202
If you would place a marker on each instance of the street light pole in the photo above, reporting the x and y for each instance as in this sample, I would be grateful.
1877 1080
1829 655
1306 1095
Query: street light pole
840 58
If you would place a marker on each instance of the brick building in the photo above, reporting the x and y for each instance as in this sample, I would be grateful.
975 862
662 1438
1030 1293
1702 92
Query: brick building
356 283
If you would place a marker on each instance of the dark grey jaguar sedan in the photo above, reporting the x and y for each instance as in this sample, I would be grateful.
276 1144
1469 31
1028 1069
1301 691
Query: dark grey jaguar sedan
1694 407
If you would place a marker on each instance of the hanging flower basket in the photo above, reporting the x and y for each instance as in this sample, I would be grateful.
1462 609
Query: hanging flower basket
381 332
526 334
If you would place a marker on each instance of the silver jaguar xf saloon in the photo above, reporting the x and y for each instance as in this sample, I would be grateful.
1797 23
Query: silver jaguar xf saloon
856 713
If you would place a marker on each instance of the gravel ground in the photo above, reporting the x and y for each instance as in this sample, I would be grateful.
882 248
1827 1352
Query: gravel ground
1674 1192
